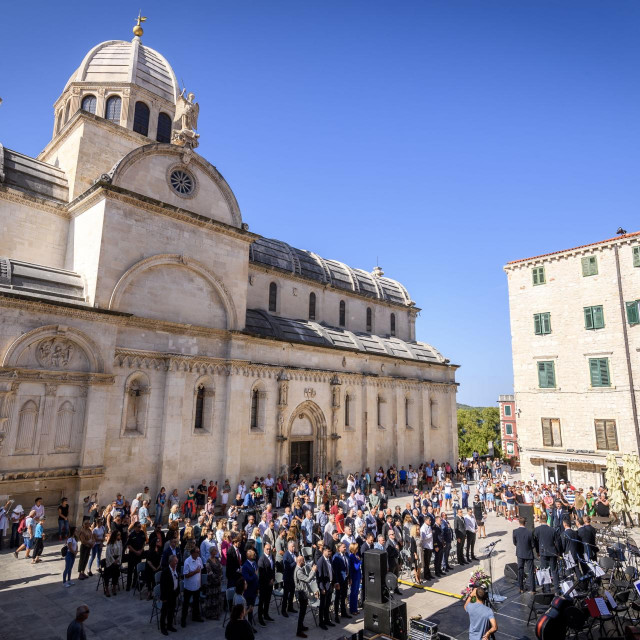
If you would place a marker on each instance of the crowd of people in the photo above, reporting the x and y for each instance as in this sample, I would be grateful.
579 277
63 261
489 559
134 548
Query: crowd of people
304 536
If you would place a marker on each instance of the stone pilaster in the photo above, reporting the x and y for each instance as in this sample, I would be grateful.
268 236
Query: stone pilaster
172 428
48 419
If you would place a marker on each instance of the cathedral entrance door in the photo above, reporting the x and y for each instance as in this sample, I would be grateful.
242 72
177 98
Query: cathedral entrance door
301 452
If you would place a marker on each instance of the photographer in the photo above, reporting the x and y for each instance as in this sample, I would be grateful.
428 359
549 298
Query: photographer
482 620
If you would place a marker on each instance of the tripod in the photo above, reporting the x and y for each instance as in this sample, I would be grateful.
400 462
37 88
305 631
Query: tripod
494 595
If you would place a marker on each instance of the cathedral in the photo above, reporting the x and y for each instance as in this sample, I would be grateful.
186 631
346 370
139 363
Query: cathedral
148 337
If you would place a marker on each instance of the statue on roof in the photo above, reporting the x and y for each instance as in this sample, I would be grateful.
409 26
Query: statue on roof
186 121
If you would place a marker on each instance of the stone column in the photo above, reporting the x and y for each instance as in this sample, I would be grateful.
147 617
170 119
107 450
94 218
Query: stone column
425 427
48 419
236 422
453 421
168 472
7 403
400 428
335 417
281 436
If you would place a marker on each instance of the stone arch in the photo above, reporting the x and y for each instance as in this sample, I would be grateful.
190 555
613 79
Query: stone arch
54 347
180 260
318 437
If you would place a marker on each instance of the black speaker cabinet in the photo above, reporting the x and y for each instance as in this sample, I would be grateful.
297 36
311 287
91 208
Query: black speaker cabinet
389 618
511 571
375 569
526 511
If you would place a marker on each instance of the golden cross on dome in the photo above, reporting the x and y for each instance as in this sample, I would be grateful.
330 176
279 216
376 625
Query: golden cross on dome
137 30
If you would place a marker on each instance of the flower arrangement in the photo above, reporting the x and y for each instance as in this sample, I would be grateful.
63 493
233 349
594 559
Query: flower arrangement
477 578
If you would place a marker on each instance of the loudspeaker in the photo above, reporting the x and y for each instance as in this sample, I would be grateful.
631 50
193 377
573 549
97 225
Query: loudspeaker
375 569
526 511
511 571
389 618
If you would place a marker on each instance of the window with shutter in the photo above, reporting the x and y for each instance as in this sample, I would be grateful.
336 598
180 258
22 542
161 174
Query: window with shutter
551 436
636 256
594 317
599 371
589 266
537 273
342 313
546 374
542 323
633 313
273 296
537 326
606 435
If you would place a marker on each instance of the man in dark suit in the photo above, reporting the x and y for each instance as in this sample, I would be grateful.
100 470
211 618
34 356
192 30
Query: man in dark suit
266 579
587 535
234 562
461 535
171 550
289 562
571 545
545 540
523 540
324 577
340 566
558 514
438 546
169 590
393 555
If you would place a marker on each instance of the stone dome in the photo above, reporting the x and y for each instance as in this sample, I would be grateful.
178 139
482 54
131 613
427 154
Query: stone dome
117 61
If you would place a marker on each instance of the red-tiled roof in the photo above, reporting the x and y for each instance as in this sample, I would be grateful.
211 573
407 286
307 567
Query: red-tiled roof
582 246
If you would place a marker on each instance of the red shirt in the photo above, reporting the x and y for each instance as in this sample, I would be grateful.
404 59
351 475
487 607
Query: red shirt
213 492
340 522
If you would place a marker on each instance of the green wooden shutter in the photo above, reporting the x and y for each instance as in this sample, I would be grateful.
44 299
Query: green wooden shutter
556 434
589 266
545 322
611 435
636 256
598 317
601 435
594 370
546 375
585 267
536 324
547 438
599 370
633 315
604 372
588 318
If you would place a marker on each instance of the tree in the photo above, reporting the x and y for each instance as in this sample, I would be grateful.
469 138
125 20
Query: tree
476 427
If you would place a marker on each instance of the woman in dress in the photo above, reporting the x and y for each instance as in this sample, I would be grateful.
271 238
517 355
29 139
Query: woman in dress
257 538
448 488
214 583
113 560
188 539
279 493
355 573
153 565
415 549
224 547
221 527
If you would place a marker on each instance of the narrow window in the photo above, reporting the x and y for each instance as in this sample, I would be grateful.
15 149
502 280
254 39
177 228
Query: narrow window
347 411
255 401
599 371
369 320
66 111
343 314
164 128
507 409
551 435
312 306
589 266
379 411
633 312
537 273
59 121
508 429
541 323
606 435
273 296
406 412
393 324
112 110
594 317
636 256
89 104
141 119
546 374
198 423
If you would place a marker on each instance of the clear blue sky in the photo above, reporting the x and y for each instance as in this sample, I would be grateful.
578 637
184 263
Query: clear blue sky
443 137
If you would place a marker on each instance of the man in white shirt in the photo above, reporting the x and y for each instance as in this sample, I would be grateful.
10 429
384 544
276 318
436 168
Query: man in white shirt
471 526
242 490
348 537
426 537
208 547
192 572
38 507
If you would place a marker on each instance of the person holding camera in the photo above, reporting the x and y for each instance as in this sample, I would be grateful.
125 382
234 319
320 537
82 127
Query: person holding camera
482 620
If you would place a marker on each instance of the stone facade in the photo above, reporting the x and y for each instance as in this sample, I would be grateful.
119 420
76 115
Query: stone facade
126 353
591 416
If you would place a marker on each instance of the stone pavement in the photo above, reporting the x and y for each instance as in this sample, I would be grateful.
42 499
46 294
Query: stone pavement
33 600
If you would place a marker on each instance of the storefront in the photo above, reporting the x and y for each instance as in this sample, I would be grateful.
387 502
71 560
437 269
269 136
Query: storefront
580 469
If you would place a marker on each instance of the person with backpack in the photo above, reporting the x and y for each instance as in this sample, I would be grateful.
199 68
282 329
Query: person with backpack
69 552
25 529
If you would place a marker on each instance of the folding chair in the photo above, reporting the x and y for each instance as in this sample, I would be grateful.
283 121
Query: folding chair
102 566
156 605
608 565
203 586
278 589
540 602
626 582
229 593
139 582
156 577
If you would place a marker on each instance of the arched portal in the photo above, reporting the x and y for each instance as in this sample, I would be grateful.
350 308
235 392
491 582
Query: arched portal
307 439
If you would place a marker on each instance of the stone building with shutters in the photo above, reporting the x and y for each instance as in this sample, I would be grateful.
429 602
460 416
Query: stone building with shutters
147 337
576 358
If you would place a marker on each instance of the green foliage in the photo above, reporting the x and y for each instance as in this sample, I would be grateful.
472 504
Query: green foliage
476 427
